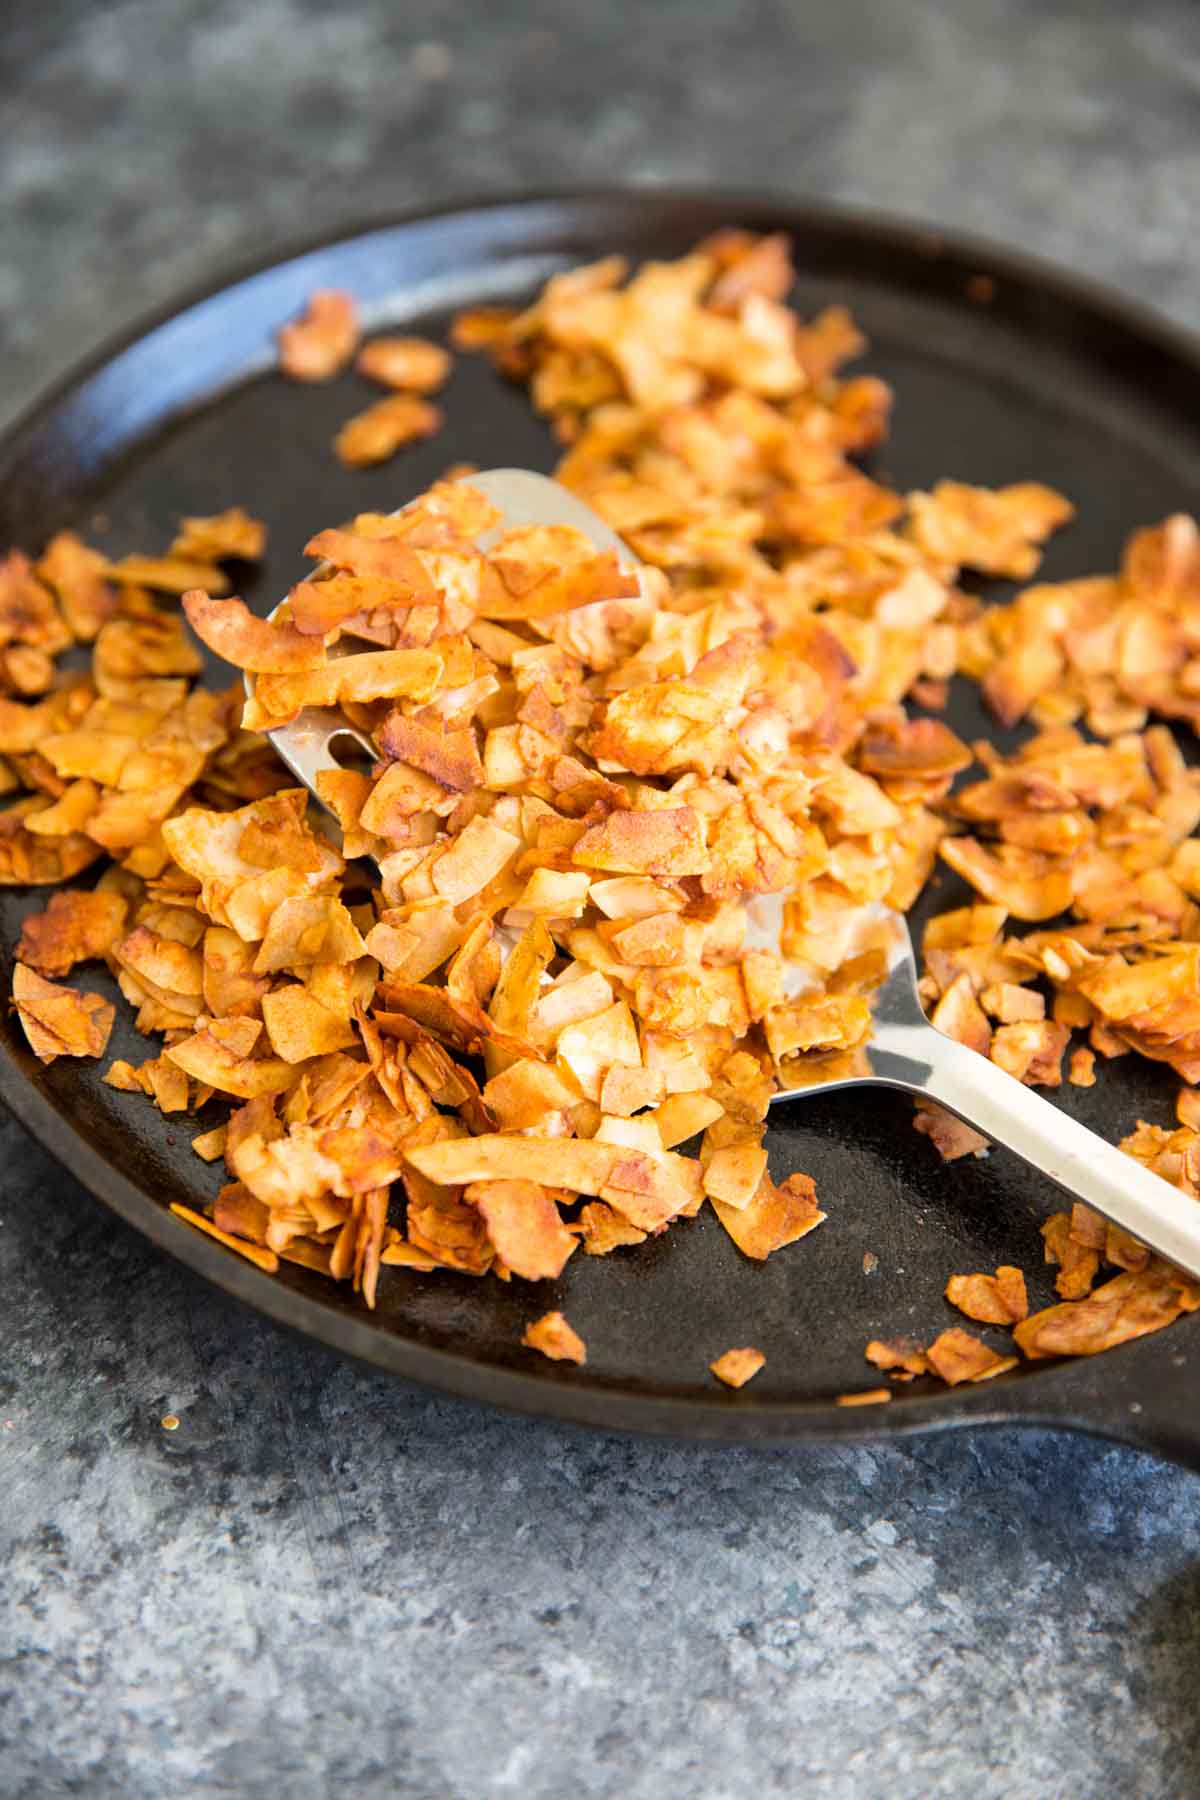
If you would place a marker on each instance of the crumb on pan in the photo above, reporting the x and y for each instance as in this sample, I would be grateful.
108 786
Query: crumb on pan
318 345
553 1337
378 432
736 1367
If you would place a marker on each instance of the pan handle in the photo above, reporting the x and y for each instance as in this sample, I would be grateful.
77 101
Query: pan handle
1146 1395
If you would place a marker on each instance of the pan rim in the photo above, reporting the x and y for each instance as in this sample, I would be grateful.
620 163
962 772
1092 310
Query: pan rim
1061 1391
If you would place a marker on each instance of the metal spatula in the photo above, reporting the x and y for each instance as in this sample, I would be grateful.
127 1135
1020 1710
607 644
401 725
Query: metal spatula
904 1050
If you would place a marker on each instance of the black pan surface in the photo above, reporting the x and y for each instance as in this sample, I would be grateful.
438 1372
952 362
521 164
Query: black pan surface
1046 379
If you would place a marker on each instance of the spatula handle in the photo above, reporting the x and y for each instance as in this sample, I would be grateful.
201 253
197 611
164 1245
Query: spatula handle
1059 1147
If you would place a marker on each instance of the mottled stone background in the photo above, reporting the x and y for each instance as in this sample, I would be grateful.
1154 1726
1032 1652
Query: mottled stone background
323 1578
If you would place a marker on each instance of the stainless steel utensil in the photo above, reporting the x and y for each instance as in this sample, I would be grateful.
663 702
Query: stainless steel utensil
904 1051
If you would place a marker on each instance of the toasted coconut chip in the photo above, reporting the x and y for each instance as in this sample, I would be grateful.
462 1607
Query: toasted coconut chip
228 983
74 811
1032 1052
903 1356
776 1216
406 1256
227 854
552 1335
1187 1106
1026 884
214 1063
306 929
208 1145
235 1210
229 534
475 858
735 1174
123 1076
405 362
364 605
26 670
527 1093
162 962
374 556
583 1167
996 531
864 1397
168 574
1078 1263
28 614
736 1367
913 748
445 1227
451 759
375 675
603 1229
1012 1005
318 345
959 1015
1129 1306
665 842
74 927
86 600
374 435
262 1259
260 645
29 858
958 1356
684 1116
589 1050
997 1299
58 1021
525 1228
300 1028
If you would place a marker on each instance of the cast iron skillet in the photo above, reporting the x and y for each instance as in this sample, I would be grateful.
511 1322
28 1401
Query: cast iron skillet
1024 374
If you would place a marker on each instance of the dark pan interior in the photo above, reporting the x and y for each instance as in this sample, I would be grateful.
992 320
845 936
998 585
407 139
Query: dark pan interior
1045 381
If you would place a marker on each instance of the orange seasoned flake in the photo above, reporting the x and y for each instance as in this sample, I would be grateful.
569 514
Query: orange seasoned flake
374 435
997 1299
667 841
552 1335
261 645
902 1356
227 535
996 530
320 344
411 363
261 1258
603 1229
75 926
524 1225
1078 1262
734 1368
774 1217
958 1355
58 1021
1128 1306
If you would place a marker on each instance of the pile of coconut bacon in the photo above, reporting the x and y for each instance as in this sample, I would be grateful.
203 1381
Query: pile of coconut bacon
476 1039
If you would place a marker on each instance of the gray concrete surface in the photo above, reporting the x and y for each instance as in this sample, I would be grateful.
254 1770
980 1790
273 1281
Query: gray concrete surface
324 1580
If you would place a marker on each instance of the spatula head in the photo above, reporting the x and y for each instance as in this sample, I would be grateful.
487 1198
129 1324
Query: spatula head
321 738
